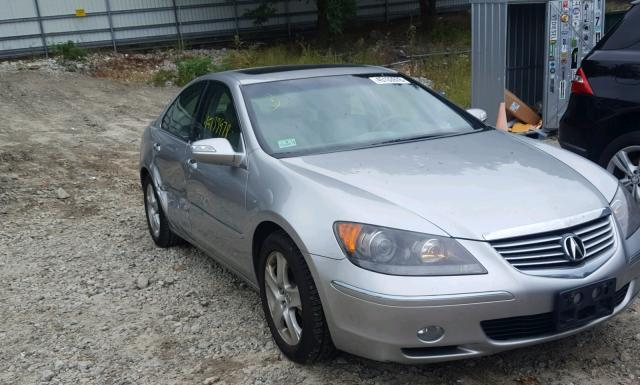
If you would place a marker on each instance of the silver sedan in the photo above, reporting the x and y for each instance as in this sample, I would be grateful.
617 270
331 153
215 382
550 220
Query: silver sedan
375 217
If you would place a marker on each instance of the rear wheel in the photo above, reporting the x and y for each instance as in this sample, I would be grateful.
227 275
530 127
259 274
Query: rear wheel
291 302
156 219
622 159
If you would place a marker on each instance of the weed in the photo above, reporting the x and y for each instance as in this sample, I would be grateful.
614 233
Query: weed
163 76
191 68
69 51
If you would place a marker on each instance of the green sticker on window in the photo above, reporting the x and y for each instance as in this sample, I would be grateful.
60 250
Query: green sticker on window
289 142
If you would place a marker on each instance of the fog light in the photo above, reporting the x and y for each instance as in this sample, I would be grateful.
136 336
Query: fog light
577 298
430 333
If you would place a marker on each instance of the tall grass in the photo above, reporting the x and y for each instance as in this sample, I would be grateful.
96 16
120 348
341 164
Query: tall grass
450 73
297 54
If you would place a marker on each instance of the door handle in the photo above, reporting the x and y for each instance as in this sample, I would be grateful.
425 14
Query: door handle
193 164
157 147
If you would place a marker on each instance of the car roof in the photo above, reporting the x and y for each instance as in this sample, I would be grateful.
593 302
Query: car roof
289 72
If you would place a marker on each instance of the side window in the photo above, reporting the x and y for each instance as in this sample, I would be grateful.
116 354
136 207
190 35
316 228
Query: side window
179 117
624 34
219 118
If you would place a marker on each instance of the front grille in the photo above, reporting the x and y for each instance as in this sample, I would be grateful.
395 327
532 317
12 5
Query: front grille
530 326
543 251
527 326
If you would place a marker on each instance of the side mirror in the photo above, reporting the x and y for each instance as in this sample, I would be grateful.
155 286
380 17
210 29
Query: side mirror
478 113
215 151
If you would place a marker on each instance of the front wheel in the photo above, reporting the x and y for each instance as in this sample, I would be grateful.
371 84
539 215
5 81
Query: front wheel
291 302
622 159
159 229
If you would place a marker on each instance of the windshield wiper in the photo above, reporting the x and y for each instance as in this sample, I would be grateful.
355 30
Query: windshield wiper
401 140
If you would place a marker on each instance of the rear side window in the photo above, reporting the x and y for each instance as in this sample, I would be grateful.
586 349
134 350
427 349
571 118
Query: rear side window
179 117
624 34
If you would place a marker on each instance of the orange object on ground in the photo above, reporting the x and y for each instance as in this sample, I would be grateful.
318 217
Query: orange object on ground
520 128
501 122
519 109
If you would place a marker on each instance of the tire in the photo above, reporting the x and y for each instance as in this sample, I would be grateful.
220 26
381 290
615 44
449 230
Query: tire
314 341
622 159
162 235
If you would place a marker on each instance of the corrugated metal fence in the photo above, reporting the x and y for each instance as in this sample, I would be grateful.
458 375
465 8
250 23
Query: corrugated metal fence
33 26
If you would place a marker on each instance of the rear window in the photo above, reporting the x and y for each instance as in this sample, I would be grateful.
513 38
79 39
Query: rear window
624 34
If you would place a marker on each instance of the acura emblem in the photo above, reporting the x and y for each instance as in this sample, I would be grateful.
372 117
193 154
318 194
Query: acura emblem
573 247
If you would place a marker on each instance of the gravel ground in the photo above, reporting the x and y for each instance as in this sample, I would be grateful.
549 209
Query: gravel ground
86 298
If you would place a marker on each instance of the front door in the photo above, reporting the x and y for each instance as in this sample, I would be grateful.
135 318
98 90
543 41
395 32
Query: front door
216 193
170 143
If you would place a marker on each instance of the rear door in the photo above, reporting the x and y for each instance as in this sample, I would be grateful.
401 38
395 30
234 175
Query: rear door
170 142
216 193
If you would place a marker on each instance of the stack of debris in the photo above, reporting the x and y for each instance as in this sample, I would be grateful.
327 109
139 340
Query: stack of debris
517 117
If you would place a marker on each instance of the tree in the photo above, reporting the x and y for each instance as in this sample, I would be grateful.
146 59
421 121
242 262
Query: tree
333 16
427 13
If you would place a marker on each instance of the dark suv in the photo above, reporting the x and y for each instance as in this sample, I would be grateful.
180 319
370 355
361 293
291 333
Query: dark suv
602 121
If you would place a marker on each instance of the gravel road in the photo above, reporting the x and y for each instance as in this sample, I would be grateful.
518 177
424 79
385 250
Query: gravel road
86 298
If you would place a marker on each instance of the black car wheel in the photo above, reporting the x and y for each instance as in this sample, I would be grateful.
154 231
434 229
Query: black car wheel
156 219
622 159
291 302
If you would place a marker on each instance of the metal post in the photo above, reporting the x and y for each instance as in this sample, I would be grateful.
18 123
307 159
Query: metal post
288 17
386 10
113 36
175 15
235 13
42 35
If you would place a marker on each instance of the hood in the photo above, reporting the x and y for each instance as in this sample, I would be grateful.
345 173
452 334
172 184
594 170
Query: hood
470 186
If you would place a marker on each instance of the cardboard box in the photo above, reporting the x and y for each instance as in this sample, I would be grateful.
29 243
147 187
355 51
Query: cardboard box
518 109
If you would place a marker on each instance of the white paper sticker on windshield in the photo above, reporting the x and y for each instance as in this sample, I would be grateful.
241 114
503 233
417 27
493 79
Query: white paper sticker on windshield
289 142
389 80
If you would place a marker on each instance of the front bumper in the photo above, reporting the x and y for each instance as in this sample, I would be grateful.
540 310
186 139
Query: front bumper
377 316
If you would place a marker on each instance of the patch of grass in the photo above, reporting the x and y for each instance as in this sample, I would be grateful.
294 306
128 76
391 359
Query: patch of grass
187 69
450 31
191 68
279 55
69 51
451 74
163 76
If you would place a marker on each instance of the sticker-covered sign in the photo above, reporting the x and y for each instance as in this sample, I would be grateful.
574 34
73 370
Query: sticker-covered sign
586 14
574 58
553 36
575 14
389 80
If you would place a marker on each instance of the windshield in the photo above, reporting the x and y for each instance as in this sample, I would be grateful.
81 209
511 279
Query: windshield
326 114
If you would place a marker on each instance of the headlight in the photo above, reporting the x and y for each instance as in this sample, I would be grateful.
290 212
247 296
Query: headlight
399 252
627 212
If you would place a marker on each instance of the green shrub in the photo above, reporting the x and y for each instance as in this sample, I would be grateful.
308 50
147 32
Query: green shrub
191 68
161 77
69 51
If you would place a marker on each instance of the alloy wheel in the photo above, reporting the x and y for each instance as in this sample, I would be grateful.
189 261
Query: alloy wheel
283 298
153 211
625 165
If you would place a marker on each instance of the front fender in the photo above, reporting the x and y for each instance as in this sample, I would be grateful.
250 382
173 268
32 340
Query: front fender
606 183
